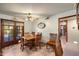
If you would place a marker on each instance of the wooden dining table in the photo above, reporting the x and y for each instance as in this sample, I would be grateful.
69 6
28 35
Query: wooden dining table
27 38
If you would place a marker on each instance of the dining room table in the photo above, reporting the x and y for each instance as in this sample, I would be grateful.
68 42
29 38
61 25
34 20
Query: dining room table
27 39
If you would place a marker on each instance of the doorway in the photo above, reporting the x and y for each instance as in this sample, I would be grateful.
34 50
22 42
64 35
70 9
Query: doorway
63 27
63 30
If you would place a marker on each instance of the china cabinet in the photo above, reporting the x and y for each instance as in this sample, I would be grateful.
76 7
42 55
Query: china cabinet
11 32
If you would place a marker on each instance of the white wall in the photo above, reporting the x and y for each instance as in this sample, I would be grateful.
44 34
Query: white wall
27 26
51 24
45 31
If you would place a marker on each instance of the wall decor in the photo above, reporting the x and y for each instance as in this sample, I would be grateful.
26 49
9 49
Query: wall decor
73 27
41 25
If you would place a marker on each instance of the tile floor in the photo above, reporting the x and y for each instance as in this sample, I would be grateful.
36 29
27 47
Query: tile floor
69 48
16 51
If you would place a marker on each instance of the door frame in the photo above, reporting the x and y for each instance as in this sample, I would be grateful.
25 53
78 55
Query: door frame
59 20
66 21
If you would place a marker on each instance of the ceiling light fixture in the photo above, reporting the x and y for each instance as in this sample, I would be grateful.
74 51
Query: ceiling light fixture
31 17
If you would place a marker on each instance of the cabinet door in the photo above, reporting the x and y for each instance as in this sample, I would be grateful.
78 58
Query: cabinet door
0 40
19 30
7 30
8 33
18 33
0 33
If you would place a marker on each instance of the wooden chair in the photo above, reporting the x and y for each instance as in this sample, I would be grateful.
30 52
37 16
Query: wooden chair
33 33
58 48
56 44
38 40
52 40
24 43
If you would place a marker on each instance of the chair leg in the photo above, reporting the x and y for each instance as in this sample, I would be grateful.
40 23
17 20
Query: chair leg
46 46
39 47
22 47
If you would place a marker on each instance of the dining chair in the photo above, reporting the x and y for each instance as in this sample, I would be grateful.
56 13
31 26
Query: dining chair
52 41
58 48
33 33
38 40
27 43
56 44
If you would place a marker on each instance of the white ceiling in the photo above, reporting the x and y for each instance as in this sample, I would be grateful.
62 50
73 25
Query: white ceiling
44 9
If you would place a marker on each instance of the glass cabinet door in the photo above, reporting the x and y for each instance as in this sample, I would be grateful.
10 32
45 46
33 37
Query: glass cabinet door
19 30
8 31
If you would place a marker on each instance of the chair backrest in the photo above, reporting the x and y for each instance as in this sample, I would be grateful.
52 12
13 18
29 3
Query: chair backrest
26 33
53 36
38 38
58 49
33 33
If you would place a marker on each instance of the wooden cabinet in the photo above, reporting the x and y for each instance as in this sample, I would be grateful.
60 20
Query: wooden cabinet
0 40
0 33
11 32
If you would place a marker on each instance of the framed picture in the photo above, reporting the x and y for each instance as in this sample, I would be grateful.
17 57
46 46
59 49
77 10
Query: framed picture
41 25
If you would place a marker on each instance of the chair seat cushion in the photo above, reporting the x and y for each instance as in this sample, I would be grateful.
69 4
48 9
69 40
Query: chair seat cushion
51 42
